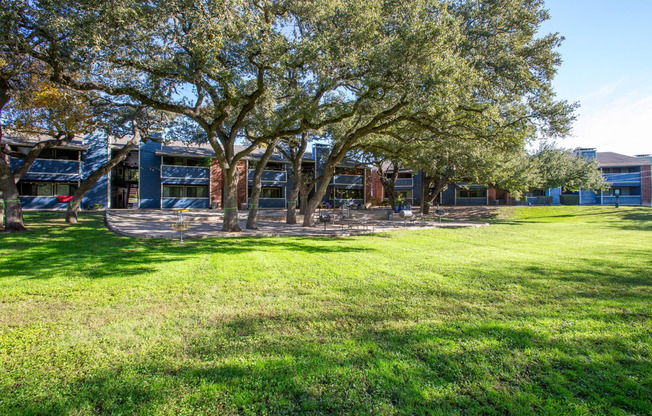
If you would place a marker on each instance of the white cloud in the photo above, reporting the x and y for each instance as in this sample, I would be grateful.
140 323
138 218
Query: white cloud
614 120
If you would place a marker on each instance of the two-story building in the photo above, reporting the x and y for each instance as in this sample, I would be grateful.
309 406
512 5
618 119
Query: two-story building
155 175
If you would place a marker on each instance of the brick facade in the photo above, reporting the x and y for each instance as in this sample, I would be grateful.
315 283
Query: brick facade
646 185
378 192
217 184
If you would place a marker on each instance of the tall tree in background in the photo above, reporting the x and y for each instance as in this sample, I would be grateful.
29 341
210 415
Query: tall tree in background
293 149
251 72
116 121
252 216
243 71
548 167
39 113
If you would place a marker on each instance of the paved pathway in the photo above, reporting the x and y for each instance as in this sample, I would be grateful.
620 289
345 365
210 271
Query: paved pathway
208 223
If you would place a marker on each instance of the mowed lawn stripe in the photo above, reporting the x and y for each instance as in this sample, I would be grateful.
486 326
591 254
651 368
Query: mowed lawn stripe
546 311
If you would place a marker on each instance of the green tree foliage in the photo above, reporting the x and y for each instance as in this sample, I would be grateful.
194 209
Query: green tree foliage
245 71
548 167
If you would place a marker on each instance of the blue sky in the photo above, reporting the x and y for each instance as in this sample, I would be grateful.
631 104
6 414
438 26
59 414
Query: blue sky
607 68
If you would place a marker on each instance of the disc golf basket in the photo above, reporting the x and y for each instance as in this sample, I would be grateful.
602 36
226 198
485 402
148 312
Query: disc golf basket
180 224
439 212
324 219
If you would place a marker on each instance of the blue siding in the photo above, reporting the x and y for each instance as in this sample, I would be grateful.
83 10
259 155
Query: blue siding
588 198
149 186
471 201
96 155
348 180
68 167
269 176
416 188
271 203
194 203
189 172
623 200
554 193
42 202
448 196
181 181
404 183
623 179
50 177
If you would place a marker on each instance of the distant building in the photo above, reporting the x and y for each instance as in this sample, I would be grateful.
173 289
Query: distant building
178 175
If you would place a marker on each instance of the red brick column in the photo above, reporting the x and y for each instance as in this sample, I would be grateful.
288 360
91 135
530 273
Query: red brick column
368 178
242 182
491 194
646 186
377 187
217 184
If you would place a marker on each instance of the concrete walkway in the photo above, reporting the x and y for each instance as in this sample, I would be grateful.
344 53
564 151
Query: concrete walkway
271 223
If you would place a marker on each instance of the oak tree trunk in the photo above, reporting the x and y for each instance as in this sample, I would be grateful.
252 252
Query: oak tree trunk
10 199
320 191
87 184
231 177
252 217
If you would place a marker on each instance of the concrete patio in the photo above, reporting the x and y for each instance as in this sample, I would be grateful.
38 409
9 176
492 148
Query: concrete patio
271 223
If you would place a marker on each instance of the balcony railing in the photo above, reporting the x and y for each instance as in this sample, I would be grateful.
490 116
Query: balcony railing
189 172
623 179
348 180
69 167
404 183
269 176
623 200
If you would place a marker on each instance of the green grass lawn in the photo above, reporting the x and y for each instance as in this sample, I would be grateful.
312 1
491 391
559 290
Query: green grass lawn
546 311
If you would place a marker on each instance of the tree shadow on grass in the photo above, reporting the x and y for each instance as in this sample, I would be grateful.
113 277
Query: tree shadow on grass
429 368
460 355
90 250
625 218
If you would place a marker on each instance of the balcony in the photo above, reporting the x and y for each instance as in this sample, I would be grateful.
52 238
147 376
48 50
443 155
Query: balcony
185 172
623 200
404 183
348 180
269 176
44 169
623 179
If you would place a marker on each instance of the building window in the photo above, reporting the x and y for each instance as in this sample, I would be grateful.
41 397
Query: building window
271 166
471 193
183 161
185 191
46 188
405 175
269 192
59 154
343 193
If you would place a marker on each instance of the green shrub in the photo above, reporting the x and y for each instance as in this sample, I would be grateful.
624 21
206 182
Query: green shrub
544 200
569 199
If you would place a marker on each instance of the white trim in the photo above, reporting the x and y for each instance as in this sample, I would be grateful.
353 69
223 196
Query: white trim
184 197
109 176
140 151
160 169
53 173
